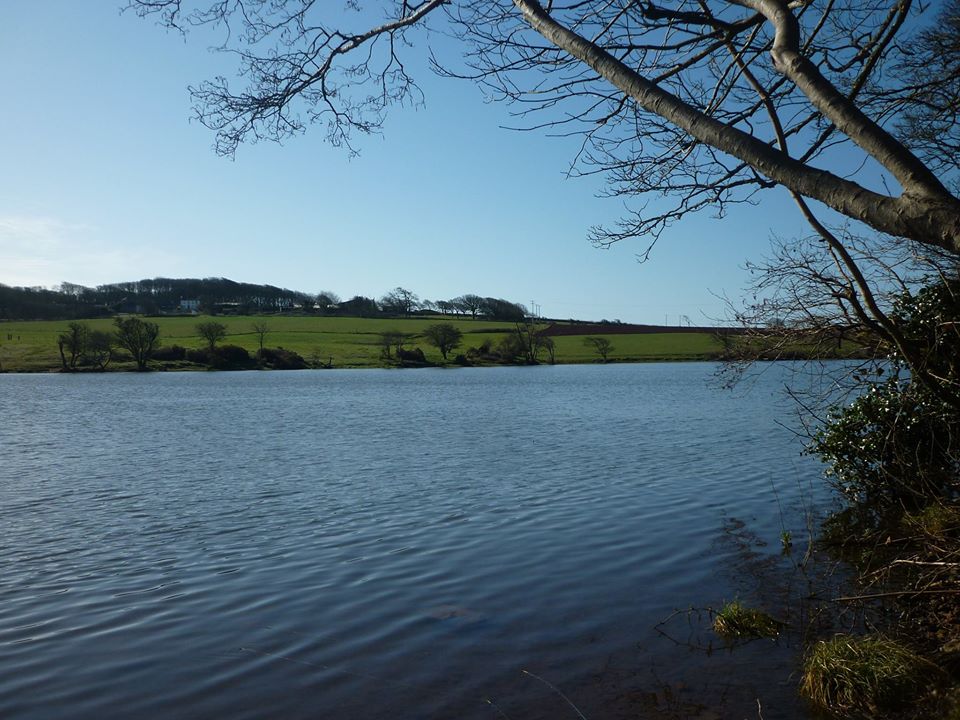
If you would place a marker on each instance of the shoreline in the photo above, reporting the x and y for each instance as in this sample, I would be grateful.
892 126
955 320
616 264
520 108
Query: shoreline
449 366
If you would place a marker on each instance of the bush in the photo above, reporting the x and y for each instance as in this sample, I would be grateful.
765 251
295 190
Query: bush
511 348
198 355
230 357
280 359
414 356
170 353
893 447
897 446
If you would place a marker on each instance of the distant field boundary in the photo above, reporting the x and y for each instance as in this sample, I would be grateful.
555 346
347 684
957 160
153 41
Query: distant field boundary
559 330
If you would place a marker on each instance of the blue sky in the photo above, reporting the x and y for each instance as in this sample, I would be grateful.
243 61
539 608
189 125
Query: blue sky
106 179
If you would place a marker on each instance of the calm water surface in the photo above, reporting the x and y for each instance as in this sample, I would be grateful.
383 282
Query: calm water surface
393 544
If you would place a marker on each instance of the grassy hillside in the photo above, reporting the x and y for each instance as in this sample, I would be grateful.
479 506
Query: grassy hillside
348 342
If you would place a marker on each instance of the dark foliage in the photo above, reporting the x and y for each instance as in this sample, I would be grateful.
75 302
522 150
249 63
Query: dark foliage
19 303
99 348
231 357
138 337
280 359
359 306
72 344
443 336
411 357
499 309
212 332
159 295
170 353
897 446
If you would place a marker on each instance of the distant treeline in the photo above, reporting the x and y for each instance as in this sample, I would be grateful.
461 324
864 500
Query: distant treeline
221 296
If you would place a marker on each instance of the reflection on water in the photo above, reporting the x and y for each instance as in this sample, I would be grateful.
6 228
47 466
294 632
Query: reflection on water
474 543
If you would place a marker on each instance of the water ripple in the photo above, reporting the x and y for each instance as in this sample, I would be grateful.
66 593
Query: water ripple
379 544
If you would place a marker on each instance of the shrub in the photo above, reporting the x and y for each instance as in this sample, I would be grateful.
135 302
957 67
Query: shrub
897 446
510 348
198 355
170 353
894 446
230 357
280 359
414 356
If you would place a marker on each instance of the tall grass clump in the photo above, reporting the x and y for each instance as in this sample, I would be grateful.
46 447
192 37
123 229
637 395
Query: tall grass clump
864 677
734 620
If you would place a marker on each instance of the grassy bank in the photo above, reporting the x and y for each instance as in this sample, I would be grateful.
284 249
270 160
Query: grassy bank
344 341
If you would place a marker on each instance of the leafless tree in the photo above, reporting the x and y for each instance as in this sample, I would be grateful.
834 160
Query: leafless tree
261 328
601 346
326 298
526 343
468 303
849 105
400 301
550 346
806 303
707 101
391 341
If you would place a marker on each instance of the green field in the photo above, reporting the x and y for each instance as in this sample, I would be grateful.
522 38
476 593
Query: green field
347 342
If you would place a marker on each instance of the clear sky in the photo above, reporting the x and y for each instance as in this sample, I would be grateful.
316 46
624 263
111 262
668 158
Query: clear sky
106 179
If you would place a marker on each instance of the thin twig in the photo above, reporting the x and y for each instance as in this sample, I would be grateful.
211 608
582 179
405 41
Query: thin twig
557 691
853 598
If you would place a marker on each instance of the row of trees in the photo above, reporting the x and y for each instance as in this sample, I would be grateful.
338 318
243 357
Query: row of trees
443 336
165 294
159 295
20 303
401 301
218 295
79 345
527 344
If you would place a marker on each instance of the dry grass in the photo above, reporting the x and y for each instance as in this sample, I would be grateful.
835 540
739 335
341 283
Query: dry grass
864 677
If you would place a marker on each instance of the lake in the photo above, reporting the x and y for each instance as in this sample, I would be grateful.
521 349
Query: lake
470 543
